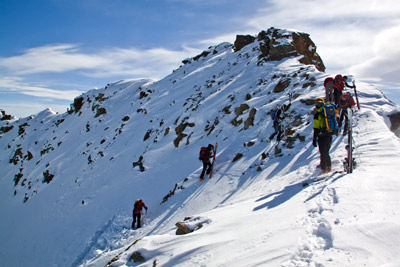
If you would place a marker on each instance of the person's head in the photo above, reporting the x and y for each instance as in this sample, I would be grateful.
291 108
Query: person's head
345 78
210 146
319 102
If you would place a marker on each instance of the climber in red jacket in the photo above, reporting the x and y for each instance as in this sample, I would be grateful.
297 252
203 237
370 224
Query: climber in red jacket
137 212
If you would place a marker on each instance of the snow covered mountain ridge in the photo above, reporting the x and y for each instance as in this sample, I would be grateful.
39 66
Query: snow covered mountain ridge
68 181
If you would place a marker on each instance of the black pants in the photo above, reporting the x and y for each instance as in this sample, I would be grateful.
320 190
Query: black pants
343 115
278 130
136 217
324 144
206 168
337 94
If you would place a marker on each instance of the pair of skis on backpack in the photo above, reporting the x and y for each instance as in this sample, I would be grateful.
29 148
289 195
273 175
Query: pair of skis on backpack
212 164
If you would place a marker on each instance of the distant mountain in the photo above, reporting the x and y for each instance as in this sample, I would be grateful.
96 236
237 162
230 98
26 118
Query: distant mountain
68 181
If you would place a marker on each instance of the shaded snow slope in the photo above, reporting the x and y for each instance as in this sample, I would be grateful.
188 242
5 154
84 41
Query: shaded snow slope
68 182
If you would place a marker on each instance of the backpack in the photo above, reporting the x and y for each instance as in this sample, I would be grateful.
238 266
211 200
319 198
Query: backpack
203 153
338 82
345 100
274 114
135 207
329 79
329 116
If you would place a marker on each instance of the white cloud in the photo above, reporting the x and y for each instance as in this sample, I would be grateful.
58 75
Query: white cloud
384 62
106 63
111 63
51 58
344 31
18 85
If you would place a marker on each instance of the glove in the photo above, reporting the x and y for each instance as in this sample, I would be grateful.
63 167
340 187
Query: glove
314 142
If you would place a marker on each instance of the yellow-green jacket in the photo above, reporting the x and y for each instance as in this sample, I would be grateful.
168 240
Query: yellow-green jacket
318 122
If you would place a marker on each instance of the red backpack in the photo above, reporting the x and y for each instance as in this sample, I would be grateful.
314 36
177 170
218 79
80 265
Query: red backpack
203 153
346 100
339 82
329 79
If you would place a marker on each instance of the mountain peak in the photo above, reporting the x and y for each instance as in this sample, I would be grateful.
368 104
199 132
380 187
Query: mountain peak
276 44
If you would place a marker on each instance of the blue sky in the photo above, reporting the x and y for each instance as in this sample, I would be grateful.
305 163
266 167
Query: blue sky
53 50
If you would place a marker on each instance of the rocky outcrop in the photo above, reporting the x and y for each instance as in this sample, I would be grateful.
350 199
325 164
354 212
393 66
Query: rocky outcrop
282 85
276 44
183 229
4 116
395 123
306 47
242 40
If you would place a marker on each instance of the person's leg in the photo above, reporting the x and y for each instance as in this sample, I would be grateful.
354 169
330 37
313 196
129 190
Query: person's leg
134 221
323 146
138 220
204 169
208 167
328 157
280 131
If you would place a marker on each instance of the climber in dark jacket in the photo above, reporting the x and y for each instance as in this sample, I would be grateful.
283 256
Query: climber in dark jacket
279 117
205 158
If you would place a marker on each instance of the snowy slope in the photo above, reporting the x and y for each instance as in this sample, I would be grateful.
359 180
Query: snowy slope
69 188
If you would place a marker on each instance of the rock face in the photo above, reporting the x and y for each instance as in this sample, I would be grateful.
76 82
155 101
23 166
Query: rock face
182 229
276 44
395 123
243 40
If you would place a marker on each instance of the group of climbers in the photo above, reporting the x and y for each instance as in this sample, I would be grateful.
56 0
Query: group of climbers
329 114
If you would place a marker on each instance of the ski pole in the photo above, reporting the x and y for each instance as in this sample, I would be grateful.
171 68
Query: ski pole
355 94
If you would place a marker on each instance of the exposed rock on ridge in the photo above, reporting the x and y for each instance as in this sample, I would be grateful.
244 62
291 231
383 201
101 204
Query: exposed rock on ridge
276 44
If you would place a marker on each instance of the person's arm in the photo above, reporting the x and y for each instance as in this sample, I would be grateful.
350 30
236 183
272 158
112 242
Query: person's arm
347 85
315 136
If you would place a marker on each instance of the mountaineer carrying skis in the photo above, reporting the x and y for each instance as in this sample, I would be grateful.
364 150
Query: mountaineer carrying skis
346 101
322 137
205 154
338 84
278 115
137 212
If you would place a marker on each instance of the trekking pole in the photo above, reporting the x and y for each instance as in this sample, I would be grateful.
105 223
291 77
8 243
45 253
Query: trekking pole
355 94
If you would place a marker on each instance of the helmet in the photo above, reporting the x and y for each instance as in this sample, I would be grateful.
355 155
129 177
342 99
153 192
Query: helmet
319 102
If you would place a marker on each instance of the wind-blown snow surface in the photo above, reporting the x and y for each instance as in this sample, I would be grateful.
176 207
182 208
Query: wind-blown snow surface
254 211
